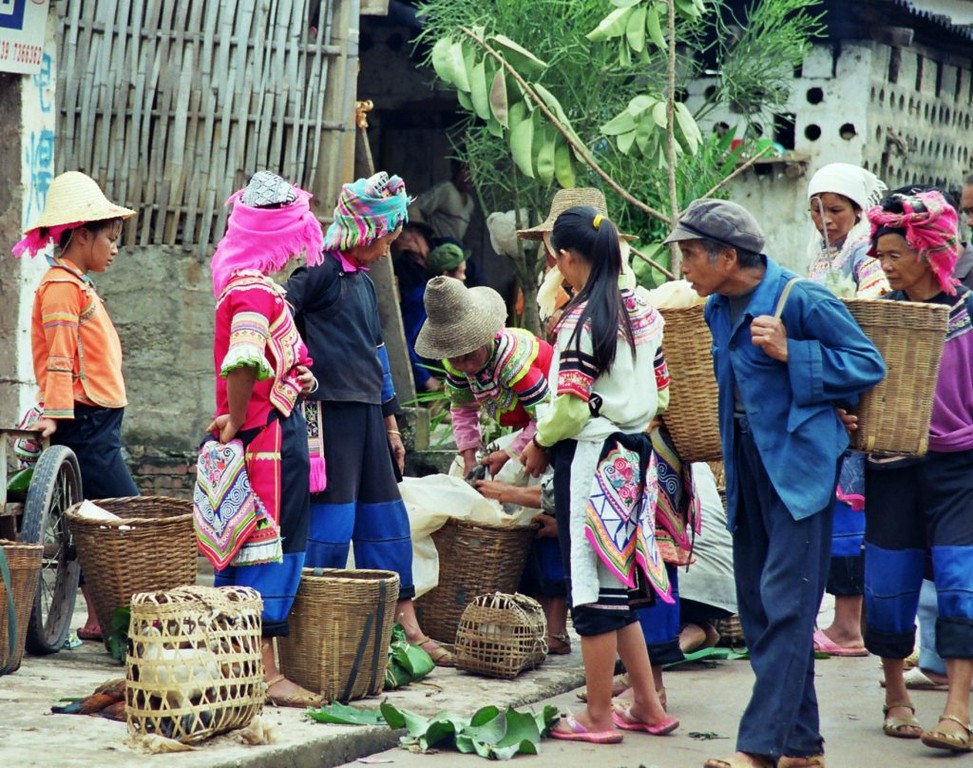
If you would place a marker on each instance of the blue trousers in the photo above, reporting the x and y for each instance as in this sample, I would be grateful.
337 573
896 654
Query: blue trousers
95 436
927 503
781 566
660 625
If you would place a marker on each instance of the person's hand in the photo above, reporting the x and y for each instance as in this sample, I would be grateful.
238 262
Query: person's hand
769 334
224 428
848 419
494 489
306 379
534 459
548 526
433 384
495 461
45 426
654 425
398 450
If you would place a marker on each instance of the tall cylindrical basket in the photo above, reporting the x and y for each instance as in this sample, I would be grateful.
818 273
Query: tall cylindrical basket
24 566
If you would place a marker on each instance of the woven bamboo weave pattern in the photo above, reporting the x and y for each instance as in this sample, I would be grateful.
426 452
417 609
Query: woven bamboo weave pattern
474 559
340 628
151 548
194 668
501 635
692 416
24 562
893 417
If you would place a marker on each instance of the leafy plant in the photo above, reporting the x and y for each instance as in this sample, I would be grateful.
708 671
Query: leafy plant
118 633
341 714
491 732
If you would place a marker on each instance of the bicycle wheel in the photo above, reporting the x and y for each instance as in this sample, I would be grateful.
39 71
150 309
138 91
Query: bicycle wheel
55 486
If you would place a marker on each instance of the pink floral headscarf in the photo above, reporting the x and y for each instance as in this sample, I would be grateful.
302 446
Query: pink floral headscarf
929 225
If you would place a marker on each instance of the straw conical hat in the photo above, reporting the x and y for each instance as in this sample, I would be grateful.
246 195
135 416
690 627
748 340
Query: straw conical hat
458 319
569 198
74 197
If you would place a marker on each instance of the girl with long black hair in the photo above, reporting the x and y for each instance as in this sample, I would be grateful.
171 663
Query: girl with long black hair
611 382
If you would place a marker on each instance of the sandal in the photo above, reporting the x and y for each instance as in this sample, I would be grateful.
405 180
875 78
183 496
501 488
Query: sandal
955 741
762 761
577 732
440 656
300 698
811 761
559 644
623 718
89 633
893 726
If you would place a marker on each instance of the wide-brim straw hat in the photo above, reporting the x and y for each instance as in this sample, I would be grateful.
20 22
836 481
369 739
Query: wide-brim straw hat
570 198
459 320
74 197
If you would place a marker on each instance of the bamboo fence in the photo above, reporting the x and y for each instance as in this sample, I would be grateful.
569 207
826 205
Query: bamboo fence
171 105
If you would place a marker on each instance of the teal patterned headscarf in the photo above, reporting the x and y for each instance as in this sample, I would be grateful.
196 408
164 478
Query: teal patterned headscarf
367 209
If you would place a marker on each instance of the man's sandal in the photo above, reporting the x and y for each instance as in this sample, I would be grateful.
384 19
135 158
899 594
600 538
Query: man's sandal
811 761
955 741
300 698
559 644
894 726
440 656
749 761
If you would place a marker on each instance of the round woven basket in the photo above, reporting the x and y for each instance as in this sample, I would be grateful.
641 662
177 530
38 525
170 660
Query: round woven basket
24 563
340 629
691 417
893 416
501 635
474 559
151 548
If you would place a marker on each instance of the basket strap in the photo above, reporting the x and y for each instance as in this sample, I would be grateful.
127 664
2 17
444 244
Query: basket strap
783 296
380 635
8 587
359 652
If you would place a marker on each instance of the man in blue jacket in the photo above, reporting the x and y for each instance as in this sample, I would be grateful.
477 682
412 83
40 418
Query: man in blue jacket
787 356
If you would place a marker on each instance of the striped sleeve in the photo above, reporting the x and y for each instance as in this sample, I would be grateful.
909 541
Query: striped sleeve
61 305
249 332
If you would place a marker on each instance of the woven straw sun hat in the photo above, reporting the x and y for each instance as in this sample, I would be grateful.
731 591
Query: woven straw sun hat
74 197
459 320
569 198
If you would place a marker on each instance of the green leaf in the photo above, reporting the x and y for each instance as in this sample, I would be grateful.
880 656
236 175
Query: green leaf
392 716
613 25
522 139
464 100
342 714
659 114
625 142
635 30
654 27
519 57
640 103
645 135
545 146
625 3
456 66
563 164
687 127
440 52
498 98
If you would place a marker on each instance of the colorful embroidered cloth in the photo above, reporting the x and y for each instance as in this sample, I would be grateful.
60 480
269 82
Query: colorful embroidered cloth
315 445
677 508
263 468
618 523
367 209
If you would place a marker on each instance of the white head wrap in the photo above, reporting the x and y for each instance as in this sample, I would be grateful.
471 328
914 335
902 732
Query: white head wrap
862 187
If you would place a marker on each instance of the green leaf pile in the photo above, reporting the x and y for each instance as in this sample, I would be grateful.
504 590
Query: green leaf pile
491 732
342 714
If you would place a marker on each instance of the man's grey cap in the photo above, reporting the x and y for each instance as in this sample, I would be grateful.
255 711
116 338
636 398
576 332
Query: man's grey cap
265 189
721 221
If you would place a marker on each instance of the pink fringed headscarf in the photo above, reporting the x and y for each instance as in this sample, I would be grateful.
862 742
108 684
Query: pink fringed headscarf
265 239
37 240
928 224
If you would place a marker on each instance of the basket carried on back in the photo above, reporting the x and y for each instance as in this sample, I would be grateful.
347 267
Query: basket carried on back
691 417
731 631
340 629
24 565
151 548
194 667
893 417
474 559
501 635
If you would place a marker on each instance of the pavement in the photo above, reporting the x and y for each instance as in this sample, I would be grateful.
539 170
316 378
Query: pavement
707 700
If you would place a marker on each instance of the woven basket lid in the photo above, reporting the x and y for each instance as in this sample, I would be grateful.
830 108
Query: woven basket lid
76 197
458 319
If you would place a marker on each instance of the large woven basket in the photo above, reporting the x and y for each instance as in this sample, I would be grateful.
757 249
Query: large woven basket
691 417
24 562
474 559
151 548
194 667
501 635
340 629
893 417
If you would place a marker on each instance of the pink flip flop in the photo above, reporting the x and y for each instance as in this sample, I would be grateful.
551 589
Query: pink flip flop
622 718
579 733
824 644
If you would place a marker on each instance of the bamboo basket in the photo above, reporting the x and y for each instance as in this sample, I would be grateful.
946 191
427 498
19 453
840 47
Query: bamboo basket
24 562
150 549
501 635
194 668
731 631
692 417
340 630
893 417
474 559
